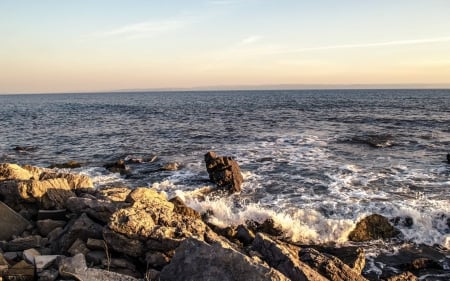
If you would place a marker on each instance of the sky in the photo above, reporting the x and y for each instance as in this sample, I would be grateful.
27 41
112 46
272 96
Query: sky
105 45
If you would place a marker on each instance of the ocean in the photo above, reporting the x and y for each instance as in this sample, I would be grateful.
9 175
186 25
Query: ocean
316 161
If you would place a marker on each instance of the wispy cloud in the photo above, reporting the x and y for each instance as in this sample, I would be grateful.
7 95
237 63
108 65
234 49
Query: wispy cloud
144 29
368 45
221 2
250 39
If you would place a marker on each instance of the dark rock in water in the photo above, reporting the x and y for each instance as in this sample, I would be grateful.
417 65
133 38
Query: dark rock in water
371 228
376 141
67 165
24 148
117 167
224 172
170 167
448 157
404 221
197 260
269 226
405 276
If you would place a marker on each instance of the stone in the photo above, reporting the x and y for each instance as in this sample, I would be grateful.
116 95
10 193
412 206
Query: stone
76 267
95 257
117 167
44 262
224 172
354 257
114 194
95 208
55 234
75 181
67 165
4 265
20 271
122 244
56 215
245 235
47 226
30 255
78 247
14 172
48 194
284 259
405 276
12 256
11 223
96 244
181 208
156 259
373 227
48 275
329 266
82 228
197 260
118 263
22 243
152 275
171 167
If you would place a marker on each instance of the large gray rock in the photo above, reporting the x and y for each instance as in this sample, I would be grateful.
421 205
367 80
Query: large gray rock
371 228
82 228
224 172
96 208
11 223
76 267
329 266
197 260
22 243
284 259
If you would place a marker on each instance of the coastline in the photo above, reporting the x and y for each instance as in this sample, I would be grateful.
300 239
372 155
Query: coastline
139 233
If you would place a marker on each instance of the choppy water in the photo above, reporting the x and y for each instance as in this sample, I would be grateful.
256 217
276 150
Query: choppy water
316 161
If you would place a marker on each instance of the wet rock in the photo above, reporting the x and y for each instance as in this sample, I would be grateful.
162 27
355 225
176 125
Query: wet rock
371 228
11 223
245 235
76 267
405 276
171 167
67 165
46 226
268 226
82 228
224 172
329 266
375 141
422 263
117 167
283 259
22 243
406 221
29 255
197 260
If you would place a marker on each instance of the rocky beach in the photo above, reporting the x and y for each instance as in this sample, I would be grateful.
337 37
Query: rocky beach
56 225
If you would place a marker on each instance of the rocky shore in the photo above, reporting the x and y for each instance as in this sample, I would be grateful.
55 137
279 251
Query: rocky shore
58 226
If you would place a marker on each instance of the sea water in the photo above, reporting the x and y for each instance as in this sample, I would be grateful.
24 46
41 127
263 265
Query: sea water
314 161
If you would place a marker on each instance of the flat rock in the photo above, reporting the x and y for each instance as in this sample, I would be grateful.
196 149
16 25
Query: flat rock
197 260
44 262
76 267
11 223
29 255
284 259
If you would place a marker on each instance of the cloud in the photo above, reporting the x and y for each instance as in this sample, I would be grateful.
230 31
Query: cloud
221 2
369 45
250 39
144 29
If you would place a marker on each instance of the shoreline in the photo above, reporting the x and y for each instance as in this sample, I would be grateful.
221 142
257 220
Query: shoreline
115 229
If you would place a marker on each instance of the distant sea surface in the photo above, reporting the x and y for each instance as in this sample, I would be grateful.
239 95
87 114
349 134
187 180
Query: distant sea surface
315 161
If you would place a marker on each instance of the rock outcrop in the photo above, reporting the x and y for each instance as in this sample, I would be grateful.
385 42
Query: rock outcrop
224 172
371 228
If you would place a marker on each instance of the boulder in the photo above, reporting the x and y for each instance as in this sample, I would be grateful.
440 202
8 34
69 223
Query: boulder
171 167
117 167
329 266
181 208
224 172
11 223
82 228
44 262
76 267
29 255
284 259
46 226
14 172
156 259
96 244
197 260
96 208
78 247
114 194
245 235
22 243
48 275
122 244
354 257
67 165
371 228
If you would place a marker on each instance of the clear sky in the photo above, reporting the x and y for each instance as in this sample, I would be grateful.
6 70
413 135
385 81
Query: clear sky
98 45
